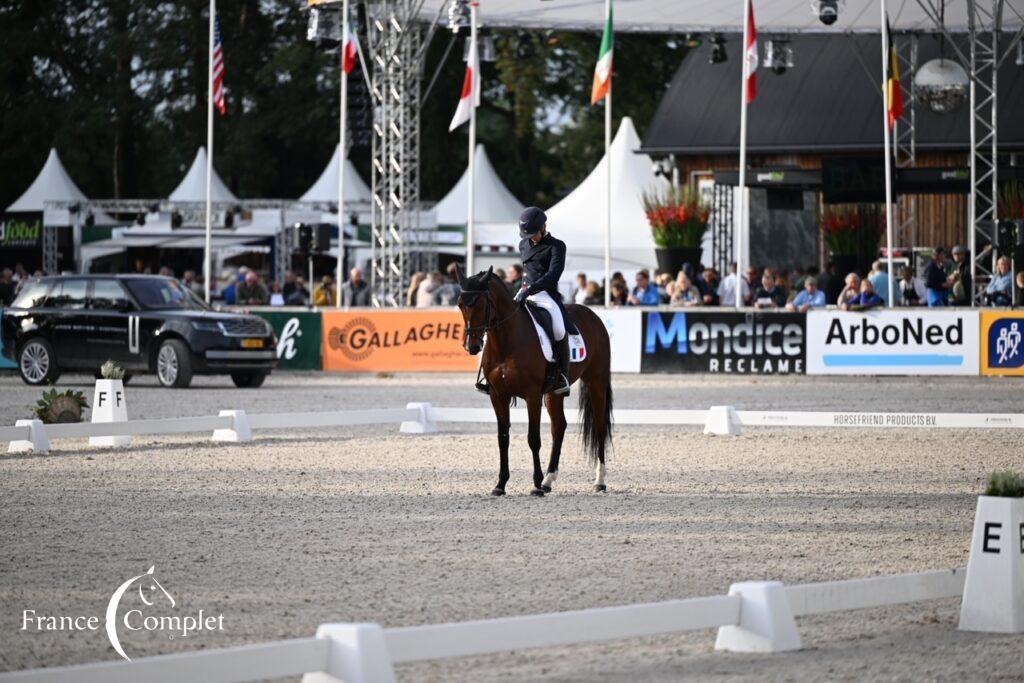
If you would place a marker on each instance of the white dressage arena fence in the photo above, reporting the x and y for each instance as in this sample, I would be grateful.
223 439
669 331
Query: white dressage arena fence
424 418
753 617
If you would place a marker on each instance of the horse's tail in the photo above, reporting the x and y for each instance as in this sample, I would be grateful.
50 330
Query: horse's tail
596 421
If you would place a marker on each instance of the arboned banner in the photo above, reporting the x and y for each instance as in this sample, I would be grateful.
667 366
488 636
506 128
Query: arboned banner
392 341
723 342
298 337
924 341
1002 352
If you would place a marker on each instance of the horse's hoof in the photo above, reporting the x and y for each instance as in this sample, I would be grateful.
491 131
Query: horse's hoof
600 488
537 492
545 489
497 492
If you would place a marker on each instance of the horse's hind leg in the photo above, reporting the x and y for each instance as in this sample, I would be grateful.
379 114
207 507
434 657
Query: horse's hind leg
533 404
556 411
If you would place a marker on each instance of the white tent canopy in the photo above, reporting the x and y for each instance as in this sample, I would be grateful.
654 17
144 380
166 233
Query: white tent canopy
325 189
673 16
496 208
579 219
192 187
53 184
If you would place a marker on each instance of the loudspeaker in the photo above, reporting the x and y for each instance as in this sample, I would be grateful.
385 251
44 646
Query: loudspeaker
322 238
303 237
1004 235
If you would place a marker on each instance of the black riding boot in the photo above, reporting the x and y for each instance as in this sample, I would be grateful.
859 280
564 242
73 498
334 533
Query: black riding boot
562 356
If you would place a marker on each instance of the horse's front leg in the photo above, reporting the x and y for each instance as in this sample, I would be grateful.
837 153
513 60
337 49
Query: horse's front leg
500 404
556 411
533 406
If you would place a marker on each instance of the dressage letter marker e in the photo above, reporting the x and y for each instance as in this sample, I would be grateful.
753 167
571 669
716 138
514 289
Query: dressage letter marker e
994 588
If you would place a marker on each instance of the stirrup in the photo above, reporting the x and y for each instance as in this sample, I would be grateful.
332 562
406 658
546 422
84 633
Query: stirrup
563 387
483 387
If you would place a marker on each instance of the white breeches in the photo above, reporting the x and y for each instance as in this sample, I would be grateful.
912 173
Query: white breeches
544 300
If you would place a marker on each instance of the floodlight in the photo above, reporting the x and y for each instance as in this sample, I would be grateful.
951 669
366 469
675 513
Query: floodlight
827 10
718 54
942 84
485 45
458 15
525 49
1020 53
176 219
90 220
140 219
778 56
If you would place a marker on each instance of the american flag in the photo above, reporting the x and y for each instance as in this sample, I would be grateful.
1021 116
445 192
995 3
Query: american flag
218 69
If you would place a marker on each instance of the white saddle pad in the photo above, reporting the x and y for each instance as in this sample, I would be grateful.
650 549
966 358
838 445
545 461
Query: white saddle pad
577 349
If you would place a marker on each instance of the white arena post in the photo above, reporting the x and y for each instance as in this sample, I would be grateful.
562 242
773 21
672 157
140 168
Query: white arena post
994 589
240 430
37 440
357 654
766 622
423 424
723 421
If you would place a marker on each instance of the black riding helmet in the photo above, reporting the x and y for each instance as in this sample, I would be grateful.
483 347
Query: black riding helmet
531 221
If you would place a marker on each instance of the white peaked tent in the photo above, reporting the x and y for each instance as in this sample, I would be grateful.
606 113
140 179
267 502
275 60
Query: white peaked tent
579 219
53 184
192 187
496 208
325 189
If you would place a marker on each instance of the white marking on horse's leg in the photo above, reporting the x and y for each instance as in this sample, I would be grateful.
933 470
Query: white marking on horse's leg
549 478
599 481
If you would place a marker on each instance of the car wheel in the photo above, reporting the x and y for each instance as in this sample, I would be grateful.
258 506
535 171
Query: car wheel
174 364
37 363
248 380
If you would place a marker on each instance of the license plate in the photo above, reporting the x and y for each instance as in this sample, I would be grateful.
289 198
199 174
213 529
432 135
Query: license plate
252 343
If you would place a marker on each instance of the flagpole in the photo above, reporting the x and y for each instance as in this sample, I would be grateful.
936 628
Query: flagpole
470 238
886 143
342 155
741 228
207 264
608 178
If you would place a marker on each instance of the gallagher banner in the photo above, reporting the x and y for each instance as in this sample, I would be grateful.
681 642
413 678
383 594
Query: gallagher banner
727 342
391 341
1002 352
298 337
922 341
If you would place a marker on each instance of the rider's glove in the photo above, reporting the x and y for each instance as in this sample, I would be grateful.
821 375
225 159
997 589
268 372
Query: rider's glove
520 296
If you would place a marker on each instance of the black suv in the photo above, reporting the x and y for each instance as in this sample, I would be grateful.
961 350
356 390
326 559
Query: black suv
143 322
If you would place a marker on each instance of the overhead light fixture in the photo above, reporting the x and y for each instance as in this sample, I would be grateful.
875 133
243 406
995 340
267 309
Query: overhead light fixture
718 54
458 15
827 10
778 56
140 219
525 47
942 84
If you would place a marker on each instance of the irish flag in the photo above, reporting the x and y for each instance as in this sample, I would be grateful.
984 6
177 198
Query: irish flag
603 70
470 88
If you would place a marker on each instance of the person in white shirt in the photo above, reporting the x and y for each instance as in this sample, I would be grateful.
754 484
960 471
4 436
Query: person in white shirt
910 290
727 290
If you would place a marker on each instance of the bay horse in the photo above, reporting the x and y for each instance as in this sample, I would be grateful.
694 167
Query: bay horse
514 367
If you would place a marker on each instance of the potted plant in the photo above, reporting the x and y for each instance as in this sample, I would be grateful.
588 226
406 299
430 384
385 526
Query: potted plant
60 407
678 220
851 233
994 587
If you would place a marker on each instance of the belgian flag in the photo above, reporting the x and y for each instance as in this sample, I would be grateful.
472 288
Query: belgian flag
893 80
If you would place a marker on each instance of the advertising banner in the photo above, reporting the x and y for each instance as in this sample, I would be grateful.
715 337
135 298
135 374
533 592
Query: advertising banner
392 341
1002 352
21 232
723 342
298 337
922 341
624 332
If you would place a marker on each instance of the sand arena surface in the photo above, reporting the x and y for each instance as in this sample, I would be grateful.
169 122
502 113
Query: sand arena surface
364 524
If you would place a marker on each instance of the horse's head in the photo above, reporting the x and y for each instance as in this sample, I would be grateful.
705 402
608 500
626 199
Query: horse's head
149 587
478 307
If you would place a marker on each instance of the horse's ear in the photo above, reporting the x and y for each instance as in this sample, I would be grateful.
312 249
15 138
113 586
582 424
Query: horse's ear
490 272
151 569
461 278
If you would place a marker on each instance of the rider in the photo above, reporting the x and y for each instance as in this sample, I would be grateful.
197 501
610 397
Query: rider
543 260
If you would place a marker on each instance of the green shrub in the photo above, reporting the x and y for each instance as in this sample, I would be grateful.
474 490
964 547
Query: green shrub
1005 484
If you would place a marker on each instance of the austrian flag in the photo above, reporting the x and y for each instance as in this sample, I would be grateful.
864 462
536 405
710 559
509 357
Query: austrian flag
470 88
603 70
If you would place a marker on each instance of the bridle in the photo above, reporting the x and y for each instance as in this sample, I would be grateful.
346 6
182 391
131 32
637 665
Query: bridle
489 303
